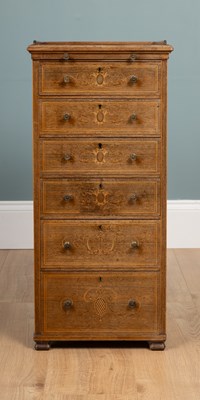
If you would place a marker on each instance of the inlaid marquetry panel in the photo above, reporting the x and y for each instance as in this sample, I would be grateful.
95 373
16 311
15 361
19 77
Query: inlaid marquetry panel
100 78
100 197
91 117
103 156
101 304
103 244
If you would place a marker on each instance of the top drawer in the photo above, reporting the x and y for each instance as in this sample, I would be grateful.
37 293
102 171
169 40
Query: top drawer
100 78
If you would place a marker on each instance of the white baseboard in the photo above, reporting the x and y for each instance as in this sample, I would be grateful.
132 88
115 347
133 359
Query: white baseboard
16 224
183 223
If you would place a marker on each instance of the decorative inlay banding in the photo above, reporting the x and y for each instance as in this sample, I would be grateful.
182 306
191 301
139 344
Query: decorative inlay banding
100 79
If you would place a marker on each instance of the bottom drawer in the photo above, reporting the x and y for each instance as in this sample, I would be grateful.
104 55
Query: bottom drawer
100 306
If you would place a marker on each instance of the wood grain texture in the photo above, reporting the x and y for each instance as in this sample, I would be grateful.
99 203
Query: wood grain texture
3 255
92 117
104 371
78 198
99 133
36 194
10 262
100 78
100 157
100 244
101 306
72 51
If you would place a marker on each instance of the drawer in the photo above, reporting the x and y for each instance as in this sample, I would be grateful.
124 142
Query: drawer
100 78
100 117
101 305
106 244
103 156
79 198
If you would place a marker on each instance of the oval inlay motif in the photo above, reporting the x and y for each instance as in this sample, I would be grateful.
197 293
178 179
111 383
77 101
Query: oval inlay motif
100 198
100 116
100 156
102 299
100 79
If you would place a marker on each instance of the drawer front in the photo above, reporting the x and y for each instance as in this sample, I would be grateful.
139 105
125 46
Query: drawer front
117 156
105 305
79 198
106 244
103 117
100 78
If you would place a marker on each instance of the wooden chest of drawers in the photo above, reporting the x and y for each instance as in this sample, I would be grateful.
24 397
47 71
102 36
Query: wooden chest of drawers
99 134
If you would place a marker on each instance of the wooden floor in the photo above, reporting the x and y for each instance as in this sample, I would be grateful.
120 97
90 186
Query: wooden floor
104 372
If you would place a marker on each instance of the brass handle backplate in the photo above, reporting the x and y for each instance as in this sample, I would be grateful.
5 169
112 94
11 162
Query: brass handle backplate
66 79
133 79
66 56
134 197
66 117
133 156
132 57
68 303
67 245
132 303
133 117
68 197
67 157
135 244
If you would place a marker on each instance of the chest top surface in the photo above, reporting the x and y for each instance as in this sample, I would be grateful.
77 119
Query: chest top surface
161 49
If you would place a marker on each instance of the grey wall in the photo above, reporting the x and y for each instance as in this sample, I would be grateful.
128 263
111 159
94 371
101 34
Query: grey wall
22 21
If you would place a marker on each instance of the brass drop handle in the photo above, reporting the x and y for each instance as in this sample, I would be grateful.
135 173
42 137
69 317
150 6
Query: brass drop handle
66 56
67 245
133 117
133 79
66 79
135 244
68 303
132 57
132 303
133 156
67 157
134 197
68 197
66 117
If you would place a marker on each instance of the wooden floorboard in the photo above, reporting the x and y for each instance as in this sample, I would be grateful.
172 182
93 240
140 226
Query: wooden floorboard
3 255
106 372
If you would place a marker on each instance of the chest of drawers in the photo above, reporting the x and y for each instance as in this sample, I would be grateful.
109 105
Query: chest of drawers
99 136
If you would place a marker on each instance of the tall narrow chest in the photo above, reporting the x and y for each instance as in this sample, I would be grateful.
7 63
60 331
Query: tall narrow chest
99 137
